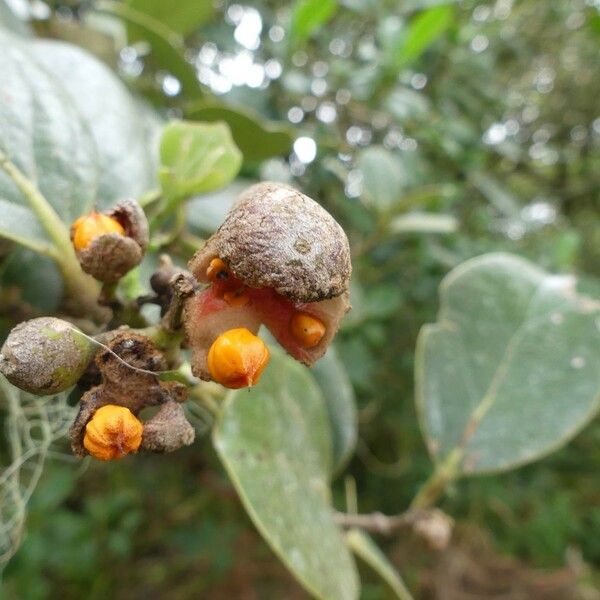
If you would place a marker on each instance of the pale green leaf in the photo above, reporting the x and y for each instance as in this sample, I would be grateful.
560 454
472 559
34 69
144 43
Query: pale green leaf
196 158
42 133
70 126
123 130
382 177
366 549
510 371
274 442
497 195
20 225
11 21
424 223
340 402
309 15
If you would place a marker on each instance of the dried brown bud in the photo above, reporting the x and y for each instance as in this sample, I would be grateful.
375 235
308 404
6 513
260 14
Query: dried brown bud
45 356
110 251
168 429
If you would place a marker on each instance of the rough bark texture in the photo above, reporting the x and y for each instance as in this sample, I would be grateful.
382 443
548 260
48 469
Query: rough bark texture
110 256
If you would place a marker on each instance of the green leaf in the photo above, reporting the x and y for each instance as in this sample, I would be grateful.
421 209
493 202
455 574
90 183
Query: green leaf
423 30
341 406
206 213
42 133
424 223
382 177
509 372
125 131
20 225
167 48
257 138
498 196
180 17
309 15
366 549
70 126
36 277
196 158
274 442
11 21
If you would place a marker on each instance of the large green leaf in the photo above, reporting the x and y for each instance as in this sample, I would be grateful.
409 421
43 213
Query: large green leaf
341 406
11 21
180 17
510 370
70 126
124 131
20 225
42 133
257 138
196 158
274 442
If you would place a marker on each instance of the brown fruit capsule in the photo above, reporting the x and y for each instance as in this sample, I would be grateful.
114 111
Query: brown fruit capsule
45 355
277 254
109 245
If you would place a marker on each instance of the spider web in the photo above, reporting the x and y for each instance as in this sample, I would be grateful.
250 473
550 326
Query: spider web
32 424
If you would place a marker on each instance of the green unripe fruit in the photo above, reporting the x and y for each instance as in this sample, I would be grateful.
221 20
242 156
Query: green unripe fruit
45 356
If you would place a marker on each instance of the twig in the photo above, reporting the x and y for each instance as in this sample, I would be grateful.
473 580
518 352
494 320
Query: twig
433 525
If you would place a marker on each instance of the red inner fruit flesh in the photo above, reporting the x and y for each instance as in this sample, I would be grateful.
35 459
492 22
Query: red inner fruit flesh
272 309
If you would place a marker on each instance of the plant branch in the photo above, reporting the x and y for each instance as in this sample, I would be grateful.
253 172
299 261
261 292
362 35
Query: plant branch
434 487
433 525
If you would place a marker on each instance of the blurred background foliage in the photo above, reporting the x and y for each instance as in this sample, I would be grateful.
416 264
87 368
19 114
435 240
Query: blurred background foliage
434 131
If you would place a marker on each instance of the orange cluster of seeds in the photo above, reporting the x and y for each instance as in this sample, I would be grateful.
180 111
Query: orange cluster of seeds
237 358
112 432
233 292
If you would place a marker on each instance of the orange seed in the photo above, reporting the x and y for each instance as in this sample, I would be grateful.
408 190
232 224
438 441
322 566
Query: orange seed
237 358
89 227
307 330
217 269
112 432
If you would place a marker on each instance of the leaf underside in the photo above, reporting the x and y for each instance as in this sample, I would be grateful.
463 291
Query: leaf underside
510 370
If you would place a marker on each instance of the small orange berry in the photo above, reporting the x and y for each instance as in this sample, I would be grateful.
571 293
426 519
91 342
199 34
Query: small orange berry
237 297
307 330
89 227
217 269
112 432
237 358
